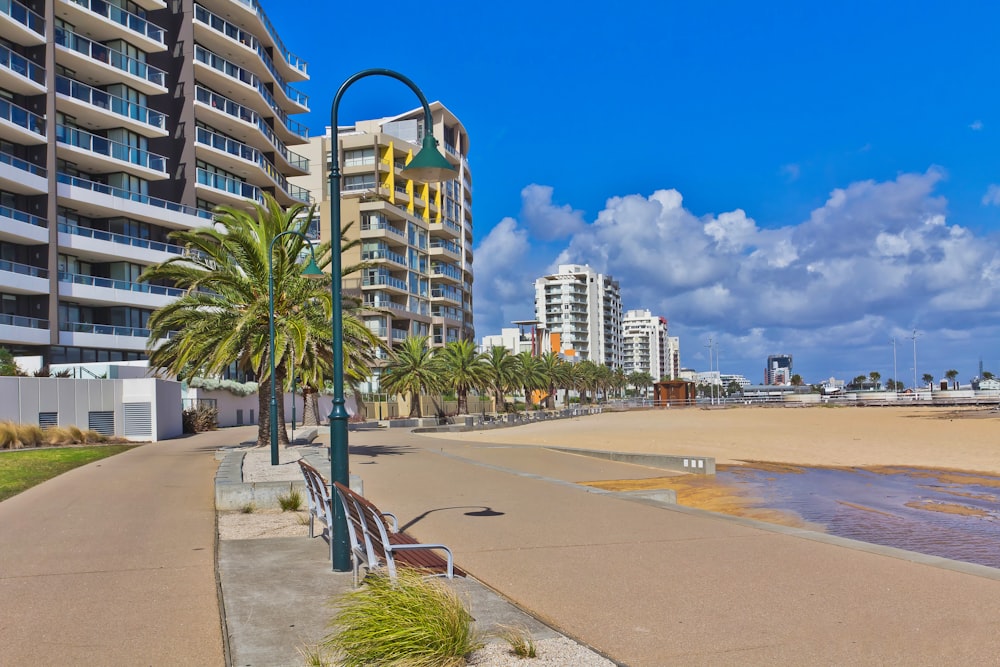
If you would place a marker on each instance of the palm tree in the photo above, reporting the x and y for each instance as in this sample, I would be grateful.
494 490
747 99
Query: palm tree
875 376
413 370
987 375
463 369
502 370
557 374
928 379
585 378
951 375
796 380
530 374
619 381
223 317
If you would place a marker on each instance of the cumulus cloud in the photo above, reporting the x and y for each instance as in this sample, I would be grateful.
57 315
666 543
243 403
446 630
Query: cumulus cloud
976 125
876 257
992 196
545 220
504 285
791 172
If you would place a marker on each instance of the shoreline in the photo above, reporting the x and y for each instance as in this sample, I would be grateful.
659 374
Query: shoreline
941 438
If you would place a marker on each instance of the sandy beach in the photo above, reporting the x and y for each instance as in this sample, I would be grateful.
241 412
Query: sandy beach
958 439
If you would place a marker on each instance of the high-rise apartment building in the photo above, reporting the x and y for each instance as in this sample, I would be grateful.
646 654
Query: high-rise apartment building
416 238
647 347
581 310
779 369
121 121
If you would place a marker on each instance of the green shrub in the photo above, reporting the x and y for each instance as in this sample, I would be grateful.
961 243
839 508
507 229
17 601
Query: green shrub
200 419
414 622
291 501
249 508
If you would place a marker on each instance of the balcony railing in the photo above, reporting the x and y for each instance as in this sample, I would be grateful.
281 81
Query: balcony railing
108 56
384 304
389 281
124 285
446 293
374 223
73 136
22 117
250 154
230 69
103 329
294 61
23 15
21 65
450 246
121 193
125 18
26 322
23 216
135 242
400 334
23 269
109 102
383 253
446 270
230 185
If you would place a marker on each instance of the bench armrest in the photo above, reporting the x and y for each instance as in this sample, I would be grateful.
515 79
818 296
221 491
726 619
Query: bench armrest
450 558
394 523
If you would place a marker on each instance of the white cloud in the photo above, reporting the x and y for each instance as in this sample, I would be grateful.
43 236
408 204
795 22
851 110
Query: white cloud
992 196
976 125
546 220
791 172
875 258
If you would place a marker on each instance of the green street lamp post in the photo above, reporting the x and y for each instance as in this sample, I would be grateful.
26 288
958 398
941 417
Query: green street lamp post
428 166
310 271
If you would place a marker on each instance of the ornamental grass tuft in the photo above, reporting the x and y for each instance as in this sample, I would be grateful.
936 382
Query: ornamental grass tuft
413 621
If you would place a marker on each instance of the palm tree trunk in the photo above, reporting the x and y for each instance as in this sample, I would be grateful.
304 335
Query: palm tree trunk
415 405
310 408
463 401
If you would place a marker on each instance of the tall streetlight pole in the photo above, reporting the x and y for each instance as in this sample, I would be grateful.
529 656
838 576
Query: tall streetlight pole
895 377
428 166
914 338
711 396
310 271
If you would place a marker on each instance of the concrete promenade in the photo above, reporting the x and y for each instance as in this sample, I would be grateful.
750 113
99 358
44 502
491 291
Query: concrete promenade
112 564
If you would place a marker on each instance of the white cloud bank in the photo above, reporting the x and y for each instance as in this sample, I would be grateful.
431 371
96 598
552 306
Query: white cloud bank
875 261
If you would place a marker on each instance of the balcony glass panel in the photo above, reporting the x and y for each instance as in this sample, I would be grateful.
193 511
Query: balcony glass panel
21 65
23 15
26 322
226 105
23 269
22 216
123 17
93 186
107 101
230 185
108 56
113 149
104 329
110 283
293 60
22 117
135 242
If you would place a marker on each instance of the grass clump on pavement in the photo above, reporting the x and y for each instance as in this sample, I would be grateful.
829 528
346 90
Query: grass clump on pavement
23 469
413 621
291 501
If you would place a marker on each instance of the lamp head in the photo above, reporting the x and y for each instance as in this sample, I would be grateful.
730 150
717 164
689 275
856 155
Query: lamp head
428 165
312 271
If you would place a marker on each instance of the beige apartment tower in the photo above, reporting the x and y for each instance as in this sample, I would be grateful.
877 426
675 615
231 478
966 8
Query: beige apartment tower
415 237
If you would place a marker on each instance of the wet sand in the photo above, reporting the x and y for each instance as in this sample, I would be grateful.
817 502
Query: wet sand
940 438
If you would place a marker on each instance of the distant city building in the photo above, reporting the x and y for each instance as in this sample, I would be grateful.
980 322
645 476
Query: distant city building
779 370
582 312
728 379
646 346
511 338
709 377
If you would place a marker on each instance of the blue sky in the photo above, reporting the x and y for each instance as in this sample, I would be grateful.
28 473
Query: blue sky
792 179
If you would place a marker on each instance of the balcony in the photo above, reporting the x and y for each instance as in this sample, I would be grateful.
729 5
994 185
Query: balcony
446 271
376 227
294 66
384 280
236 155
101 65
25 330
100 200
20 75
102 155
104 21
108 290
23 278
445 247
91 107
23 227
108 245
233 190
20 24
88 334
19 125
223 36
383 254
444 292
17 175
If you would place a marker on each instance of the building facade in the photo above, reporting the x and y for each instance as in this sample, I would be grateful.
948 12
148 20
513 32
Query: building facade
647 347
119 123
415 238
779 369
581 310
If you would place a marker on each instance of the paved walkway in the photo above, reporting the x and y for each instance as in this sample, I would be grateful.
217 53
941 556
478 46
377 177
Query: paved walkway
114 563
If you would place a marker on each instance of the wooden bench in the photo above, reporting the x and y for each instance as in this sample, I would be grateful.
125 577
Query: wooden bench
320 505
377 543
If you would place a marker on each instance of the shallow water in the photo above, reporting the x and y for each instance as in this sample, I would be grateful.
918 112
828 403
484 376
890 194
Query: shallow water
942 513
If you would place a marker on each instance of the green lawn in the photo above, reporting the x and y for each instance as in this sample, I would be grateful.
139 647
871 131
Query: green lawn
22 470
